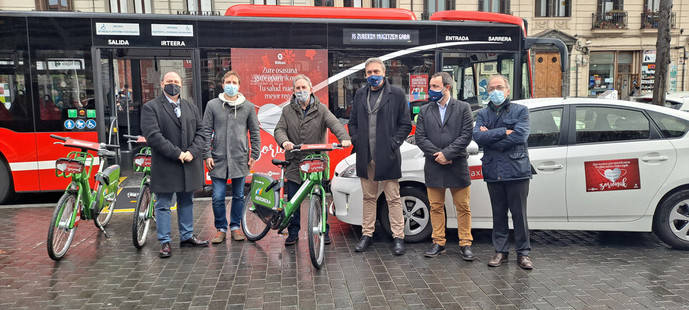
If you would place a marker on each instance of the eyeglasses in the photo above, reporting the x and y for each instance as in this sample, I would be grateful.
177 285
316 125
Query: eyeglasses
499 87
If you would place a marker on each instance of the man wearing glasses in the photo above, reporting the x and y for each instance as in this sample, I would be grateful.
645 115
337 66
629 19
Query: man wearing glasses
173 129
502 130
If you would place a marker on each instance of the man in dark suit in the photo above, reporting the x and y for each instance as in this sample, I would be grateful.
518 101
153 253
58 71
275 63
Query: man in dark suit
379 124
173 129
443 132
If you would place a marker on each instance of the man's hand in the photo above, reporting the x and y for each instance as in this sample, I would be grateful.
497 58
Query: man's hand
188 157
251 163
508 131
288 146
440 158
182 156
210 164
483 128
346 143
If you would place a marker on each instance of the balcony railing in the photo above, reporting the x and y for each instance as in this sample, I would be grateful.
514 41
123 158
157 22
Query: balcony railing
204 13
649 20
610 20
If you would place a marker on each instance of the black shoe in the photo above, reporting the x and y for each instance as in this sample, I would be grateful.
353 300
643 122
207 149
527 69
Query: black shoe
466 253
165 250
291 240
326 239
193 242
435 250
363 244
398 248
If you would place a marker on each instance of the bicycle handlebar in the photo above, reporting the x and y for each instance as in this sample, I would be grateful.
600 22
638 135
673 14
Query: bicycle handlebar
58 137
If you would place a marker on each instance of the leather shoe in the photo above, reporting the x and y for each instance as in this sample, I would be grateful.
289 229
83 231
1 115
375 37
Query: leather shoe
398 248
193 242
435 250
291 240
466 253
363 244
525 262
219 237
326 239
497 260
237 235
165 250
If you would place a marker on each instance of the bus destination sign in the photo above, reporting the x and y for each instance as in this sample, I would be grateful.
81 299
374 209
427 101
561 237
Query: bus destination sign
380 37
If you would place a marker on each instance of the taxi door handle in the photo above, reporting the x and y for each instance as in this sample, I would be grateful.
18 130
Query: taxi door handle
654 158
550 167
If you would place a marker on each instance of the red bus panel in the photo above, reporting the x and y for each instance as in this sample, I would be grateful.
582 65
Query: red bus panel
318 12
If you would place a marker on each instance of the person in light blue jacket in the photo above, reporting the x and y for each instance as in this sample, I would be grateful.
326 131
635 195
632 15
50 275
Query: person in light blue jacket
502 130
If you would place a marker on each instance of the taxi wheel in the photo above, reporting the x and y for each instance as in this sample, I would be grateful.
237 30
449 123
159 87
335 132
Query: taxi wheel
5 182
671 220
416 212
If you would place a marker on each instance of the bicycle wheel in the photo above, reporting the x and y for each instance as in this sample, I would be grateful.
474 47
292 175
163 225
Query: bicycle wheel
314 231
141 222
108 207
253 227
60 236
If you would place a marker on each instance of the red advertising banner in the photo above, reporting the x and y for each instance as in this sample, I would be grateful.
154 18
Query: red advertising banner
612 175
266 81
418 87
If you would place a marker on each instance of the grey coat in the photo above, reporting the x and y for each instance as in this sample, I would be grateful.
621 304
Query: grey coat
168 136
451 138
225 129
296 128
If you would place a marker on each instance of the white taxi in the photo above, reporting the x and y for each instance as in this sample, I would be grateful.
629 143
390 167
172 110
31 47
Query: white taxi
599 164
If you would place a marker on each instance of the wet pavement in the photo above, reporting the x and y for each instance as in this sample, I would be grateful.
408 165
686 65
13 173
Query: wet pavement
573 270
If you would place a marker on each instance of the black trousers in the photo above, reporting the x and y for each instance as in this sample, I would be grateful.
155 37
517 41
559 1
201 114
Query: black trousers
295 222
504 196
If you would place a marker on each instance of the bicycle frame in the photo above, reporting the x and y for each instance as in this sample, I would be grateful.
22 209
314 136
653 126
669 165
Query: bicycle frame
145 154
309 181
80 185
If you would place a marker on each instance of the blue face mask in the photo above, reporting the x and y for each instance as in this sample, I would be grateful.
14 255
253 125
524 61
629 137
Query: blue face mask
374 80
302 96
497 97
434 96
231 89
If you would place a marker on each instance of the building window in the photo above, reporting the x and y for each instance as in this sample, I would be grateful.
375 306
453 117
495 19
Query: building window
267 2
432 6
553 8
610 6
383 3
126 6
324 3
652 5
54 5
199 6
496 6
352 3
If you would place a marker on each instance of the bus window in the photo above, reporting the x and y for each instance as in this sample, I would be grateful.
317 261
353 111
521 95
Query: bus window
215 65
65 90
401 72
526 79
15 104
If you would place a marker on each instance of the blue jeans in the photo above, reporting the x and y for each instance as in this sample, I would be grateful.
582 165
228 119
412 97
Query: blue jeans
219 208
185 215
295 222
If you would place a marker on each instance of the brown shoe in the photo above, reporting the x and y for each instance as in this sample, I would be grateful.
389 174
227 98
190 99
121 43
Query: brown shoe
237 235
525 262
497 260
219 237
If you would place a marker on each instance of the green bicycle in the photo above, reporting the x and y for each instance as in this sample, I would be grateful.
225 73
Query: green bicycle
267 208
145 200
80 202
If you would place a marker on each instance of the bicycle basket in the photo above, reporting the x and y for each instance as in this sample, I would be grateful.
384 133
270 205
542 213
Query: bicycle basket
142 161
67 166
312 165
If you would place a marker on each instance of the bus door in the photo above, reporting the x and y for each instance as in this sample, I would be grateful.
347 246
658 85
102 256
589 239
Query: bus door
130 78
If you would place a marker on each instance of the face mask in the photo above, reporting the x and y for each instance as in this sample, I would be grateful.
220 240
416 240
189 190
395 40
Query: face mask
374 80
302 96
497 97
434 96
231 89
172 89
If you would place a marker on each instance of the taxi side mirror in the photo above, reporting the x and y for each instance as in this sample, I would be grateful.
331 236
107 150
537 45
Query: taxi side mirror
472 148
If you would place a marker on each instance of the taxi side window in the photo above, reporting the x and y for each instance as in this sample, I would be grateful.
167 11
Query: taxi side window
595 124
670 126
545 127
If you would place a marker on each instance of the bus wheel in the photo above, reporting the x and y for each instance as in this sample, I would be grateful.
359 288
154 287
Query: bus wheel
5 182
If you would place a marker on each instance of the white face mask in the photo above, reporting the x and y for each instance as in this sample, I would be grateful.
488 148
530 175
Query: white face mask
302 96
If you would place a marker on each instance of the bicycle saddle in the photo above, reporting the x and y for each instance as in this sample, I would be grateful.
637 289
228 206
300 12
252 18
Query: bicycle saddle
278 162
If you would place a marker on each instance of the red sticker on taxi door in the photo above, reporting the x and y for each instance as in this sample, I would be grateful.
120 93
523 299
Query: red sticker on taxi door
612 175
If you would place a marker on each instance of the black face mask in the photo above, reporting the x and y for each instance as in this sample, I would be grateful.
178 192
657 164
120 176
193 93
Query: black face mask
172 89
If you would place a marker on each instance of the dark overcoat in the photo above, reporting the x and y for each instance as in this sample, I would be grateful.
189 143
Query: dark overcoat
168 136
451 138
393 124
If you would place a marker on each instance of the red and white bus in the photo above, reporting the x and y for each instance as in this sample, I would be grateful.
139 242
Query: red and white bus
86 75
